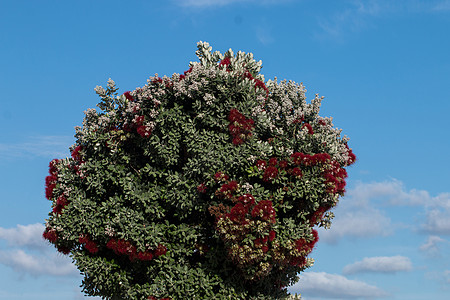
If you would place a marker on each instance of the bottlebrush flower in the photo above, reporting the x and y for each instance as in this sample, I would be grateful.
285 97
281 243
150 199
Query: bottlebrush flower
270 174
296 172
201 188
273 161
238 213
76 155
247 200
309 127
144 131
160 250
272 235
50 235
219 176
128 96
145 256
264 210
261 164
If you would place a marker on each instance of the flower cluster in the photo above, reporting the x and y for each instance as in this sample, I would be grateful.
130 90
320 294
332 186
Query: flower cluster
52 179
123 247
240 127
88 244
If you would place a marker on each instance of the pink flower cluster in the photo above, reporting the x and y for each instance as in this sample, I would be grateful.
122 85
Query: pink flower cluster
126 248
240 127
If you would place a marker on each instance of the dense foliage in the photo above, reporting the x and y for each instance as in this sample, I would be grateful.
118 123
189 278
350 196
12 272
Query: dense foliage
206 185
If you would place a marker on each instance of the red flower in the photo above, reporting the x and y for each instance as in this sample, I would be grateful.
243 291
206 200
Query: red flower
76 153
264 210
188 71
309 127
50 235
261 164
202 188
225 62
283 164
128 96
273 161
53 170
240 127
270 173
247 200
265 248
238 213
160 250
272 235
145 256
296 172
63 250
219 176
144 131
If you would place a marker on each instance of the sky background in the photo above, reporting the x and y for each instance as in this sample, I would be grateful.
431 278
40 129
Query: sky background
383 67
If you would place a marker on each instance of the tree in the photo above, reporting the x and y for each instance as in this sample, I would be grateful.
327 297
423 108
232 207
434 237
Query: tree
206 185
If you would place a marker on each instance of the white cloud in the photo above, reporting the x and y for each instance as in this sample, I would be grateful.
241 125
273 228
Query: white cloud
363 223
324 285
37 265
380 264
43 146
24 235
431 247
39 258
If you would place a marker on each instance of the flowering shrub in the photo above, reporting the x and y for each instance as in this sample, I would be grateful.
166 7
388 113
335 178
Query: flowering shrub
205 185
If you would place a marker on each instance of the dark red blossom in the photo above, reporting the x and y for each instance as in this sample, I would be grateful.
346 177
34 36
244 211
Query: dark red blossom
50 235
264 210
76 155
265 248
247 200
219 176
240 127
298 261
296 172
270 174
283 164
318 215
160 250
145 256
238 213
261 164
351 156
272 235
227 189
309 127
128 96
157 80
225 62
144 131
64 250
273 161
201 188
52 166
50 184
89 244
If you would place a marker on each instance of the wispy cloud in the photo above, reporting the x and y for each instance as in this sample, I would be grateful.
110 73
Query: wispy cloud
37 265
28 253
380 264
38 146
431 246
24 236
320 285
442 6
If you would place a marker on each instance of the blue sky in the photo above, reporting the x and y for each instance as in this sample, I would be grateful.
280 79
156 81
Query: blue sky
383 67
